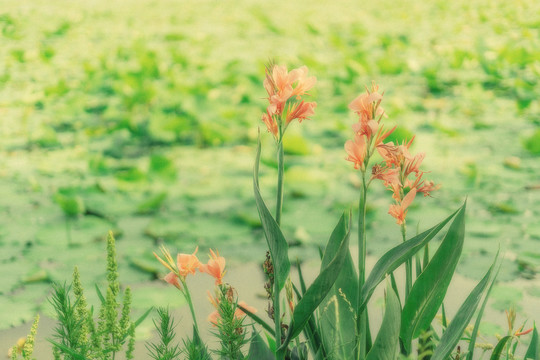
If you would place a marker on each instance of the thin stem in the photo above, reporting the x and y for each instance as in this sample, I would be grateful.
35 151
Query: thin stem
361 321
279 203
408 264
277 321
187 296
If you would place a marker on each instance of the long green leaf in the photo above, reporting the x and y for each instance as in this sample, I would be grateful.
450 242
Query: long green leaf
279 249
338 318
474 333
396 256
322 284
429 290
386 343
258 348
464 315
533 352
497 352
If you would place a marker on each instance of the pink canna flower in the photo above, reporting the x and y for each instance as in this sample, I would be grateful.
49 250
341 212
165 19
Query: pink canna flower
215 267
367 128
381 135
300 111
356 151
427 187
187 263
270 123
284 91
399 211
303 82
367 105
173 279
389 176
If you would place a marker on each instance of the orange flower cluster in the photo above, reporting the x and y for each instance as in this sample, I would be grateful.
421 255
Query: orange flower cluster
188 264
398 163
395 171
369 132
285 90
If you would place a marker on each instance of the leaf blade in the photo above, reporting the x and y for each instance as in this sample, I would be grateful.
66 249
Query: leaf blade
321 285
278 246
429 289
386 342
455 329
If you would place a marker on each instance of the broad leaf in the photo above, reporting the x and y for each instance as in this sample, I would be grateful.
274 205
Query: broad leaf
392 259
457 326
258 348
279 249
429 289
338 317
322 284
386 343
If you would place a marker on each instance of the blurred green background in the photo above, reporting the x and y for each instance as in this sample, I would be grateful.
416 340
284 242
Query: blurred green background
141 117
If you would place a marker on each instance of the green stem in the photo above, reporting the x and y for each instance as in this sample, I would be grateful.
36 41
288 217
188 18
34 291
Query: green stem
280 355
361 322
408 264
279 203
187 296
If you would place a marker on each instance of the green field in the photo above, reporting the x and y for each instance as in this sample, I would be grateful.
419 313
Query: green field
141 117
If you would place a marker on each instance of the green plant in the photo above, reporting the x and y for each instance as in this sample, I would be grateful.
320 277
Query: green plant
165 349
25 346
78 334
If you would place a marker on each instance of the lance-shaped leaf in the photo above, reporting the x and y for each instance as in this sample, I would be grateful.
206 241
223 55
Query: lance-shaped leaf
453 333
396 256
497 351
429 289
279 249
533 352
322 284
474 333
338 317
385 345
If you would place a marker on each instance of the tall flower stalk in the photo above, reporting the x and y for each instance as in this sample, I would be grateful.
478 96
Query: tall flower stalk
369 133
285 90
398 165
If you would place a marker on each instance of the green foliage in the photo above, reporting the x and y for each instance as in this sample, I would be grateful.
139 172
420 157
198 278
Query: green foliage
386 343
429 290
78 335
457 326
164 349
27 349
231 330
533 352
258 348
277 244
320 287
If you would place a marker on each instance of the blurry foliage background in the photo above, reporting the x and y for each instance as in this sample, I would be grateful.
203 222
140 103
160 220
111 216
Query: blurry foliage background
141 117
